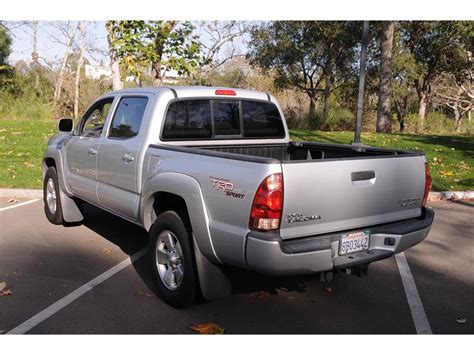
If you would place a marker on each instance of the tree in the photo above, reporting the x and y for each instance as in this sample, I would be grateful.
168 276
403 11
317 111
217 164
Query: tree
80 62
384 121
164 45
304 54
221 35
5 45
437 47
111 27
69 31
5 48
455 94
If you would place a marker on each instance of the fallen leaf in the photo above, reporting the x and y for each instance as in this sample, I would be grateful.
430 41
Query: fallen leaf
142 293
106 251
13 200
207 328
261 295
3 285
6 292
461 320
328 289
446 173
29 165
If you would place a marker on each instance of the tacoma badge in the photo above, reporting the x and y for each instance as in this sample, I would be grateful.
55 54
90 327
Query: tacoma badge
298 217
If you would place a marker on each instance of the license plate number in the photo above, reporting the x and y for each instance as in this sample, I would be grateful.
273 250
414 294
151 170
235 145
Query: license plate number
353 242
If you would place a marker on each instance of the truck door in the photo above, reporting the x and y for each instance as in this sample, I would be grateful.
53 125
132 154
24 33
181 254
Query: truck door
82 149
120 156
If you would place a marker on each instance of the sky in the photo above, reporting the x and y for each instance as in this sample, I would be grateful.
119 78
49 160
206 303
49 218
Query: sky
51 50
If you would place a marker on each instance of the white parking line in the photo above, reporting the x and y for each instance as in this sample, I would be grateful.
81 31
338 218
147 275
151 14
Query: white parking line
422 325
18 205
63 302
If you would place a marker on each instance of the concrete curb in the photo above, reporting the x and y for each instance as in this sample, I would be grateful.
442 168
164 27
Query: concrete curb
434 196
21 193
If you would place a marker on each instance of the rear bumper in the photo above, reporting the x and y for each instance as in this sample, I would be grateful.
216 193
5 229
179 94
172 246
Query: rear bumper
269 254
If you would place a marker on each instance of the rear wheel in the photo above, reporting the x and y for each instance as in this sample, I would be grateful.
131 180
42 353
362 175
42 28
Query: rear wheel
172 260
52 202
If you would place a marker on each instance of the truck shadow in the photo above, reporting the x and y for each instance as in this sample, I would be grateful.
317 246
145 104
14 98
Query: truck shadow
131 238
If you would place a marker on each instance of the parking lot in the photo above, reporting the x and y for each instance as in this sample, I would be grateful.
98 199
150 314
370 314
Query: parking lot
45 265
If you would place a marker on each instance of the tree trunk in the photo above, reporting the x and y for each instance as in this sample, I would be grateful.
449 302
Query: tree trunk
457 117
138 81
327 91
59 82
401 109
80 62
35 57
114 61
423 91
312 112
384 122
423 103
156 73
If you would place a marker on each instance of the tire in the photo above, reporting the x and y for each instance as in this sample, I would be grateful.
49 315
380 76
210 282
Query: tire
168 262
52 202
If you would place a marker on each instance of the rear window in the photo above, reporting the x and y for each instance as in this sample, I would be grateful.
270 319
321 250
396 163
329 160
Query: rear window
261 119
220 119
226 118
190 119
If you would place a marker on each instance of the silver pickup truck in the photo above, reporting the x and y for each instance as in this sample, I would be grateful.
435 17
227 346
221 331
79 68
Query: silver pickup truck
211 173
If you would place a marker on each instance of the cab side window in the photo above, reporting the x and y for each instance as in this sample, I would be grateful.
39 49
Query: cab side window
128 117
94 119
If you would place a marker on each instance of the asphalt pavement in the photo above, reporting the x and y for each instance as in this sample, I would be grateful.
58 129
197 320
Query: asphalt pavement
43 264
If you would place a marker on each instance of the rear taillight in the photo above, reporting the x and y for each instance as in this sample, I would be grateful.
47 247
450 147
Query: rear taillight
267 204
428 183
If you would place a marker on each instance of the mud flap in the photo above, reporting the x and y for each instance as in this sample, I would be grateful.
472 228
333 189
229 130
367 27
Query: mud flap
71 212
214 283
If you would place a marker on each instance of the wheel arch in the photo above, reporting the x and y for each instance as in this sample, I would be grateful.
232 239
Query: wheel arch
170 190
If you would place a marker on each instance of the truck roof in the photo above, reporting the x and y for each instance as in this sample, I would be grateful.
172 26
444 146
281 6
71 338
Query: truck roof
199 91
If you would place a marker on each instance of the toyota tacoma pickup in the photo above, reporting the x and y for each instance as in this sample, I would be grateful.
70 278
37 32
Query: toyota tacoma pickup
213 177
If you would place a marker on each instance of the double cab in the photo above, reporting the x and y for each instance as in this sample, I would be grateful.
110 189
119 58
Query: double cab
212 175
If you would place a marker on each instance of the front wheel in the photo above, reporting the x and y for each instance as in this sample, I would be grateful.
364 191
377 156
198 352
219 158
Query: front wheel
172 260
52 202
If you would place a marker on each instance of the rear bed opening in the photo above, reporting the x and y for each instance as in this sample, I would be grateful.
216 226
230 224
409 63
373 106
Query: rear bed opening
303 151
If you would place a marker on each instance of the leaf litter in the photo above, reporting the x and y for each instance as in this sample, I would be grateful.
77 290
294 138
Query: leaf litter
207 328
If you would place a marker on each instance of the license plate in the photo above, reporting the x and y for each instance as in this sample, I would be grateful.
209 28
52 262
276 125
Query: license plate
353 242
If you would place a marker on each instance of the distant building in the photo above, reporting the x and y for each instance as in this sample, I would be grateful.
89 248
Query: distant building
97 71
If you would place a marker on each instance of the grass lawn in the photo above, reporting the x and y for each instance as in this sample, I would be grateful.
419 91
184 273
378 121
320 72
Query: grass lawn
451 157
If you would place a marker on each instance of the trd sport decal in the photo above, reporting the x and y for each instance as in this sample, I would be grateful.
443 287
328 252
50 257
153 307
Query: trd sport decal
225 185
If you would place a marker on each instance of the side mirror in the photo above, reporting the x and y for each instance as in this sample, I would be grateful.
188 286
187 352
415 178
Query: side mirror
65 124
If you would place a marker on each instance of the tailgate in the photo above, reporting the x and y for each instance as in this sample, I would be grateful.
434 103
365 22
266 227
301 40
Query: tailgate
330 196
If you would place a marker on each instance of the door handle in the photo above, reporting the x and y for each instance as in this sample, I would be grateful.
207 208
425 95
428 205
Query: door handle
127 158
362 175
92 151
363 178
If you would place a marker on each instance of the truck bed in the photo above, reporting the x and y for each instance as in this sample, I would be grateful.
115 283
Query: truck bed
304 151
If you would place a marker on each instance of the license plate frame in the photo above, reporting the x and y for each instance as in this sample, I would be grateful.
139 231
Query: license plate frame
355 237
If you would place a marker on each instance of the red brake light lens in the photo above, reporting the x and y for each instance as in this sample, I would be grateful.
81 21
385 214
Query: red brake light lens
428 184
226 92
267 205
